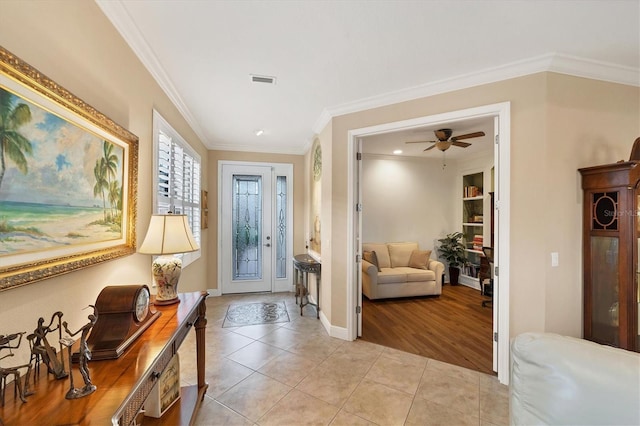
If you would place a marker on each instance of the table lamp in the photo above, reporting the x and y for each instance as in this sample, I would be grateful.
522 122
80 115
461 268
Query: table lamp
168 234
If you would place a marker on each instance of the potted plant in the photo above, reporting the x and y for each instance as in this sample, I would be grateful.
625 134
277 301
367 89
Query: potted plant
454 252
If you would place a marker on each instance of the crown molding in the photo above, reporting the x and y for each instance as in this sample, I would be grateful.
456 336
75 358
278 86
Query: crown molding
115 11
322 121
552 62
595 70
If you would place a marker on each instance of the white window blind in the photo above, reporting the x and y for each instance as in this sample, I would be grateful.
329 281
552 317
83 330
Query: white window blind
178 175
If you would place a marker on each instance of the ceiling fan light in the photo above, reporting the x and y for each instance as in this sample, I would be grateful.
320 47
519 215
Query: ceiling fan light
443 145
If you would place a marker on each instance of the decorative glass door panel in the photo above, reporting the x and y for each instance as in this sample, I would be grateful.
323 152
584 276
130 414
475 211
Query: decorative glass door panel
247 227
604 290
281 227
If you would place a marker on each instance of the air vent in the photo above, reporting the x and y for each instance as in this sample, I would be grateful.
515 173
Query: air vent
262 79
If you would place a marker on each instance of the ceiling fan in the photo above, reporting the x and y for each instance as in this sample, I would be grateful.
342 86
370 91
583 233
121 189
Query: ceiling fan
445 140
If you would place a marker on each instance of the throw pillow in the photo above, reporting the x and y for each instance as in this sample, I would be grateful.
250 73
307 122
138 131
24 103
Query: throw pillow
399 253
371 257
420 259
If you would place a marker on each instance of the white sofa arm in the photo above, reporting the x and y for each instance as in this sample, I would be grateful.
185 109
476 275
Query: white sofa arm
369 279
438 268
559 380
370 269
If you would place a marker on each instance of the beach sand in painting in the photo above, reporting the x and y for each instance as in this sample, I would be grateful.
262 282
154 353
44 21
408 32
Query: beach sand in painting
72 230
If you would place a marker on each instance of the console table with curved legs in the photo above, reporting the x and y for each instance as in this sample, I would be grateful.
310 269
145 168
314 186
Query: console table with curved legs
124 384
303 265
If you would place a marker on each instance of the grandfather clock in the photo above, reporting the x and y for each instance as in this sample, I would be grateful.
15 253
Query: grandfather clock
611 231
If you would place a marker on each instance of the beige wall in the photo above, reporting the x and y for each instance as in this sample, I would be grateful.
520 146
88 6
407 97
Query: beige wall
558 123
326 217
299 190
73 43
408 199
588 123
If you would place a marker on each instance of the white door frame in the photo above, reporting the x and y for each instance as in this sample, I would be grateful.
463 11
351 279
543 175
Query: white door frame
502 206
278 169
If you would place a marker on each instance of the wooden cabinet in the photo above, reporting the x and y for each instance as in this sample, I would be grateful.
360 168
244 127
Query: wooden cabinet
610 253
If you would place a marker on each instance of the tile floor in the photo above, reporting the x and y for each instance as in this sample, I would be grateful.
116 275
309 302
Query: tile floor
293 373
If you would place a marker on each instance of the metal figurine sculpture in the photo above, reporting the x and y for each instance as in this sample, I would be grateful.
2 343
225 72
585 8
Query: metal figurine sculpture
13 371
85 356
41 347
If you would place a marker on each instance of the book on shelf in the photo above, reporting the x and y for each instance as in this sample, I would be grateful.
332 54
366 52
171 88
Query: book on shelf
472 191
477 242
471 270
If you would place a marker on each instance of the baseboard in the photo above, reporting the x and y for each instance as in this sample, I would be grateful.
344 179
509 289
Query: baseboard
332 330
283 287
214 292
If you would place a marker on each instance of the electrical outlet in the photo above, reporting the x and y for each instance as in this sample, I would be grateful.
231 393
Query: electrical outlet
554 259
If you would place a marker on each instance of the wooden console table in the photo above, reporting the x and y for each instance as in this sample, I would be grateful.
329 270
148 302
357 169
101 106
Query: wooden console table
124 383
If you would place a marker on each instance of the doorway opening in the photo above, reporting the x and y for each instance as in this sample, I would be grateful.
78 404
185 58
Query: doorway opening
500 114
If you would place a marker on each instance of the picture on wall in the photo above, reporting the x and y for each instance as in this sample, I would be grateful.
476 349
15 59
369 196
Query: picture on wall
315 237
67 180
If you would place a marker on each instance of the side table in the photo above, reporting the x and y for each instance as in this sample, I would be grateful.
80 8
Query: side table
303 264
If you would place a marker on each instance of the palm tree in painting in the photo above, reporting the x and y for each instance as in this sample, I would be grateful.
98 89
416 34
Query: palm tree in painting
100 173
13 144
115 199
110 164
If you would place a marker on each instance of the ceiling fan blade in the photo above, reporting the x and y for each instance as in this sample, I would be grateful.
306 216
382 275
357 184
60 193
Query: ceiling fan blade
460 144
421 142
468 136
431 147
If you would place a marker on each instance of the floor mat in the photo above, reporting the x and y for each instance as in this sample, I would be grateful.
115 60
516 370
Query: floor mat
255 313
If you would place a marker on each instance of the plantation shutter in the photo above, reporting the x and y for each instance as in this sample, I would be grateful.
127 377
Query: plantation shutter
178 172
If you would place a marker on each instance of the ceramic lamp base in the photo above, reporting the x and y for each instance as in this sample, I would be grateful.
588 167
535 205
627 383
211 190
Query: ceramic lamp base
166 274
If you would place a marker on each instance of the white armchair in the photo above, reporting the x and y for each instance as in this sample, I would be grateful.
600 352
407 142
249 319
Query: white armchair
559 380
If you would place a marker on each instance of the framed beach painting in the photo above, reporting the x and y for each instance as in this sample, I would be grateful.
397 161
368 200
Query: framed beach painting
67 179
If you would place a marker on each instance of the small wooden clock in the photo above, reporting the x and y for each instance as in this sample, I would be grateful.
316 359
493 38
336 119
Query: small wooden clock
124 313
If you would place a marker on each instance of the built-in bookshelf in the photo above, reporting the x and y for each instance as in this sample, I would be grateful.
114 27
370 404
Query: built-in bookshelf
472 225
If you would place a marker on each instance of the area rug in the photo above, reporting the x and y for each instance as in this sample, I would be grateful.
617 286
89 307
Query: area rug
255 313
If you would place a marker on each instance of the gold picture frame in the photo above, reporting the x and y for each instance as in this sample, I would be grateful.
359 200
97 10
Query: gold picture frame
69 184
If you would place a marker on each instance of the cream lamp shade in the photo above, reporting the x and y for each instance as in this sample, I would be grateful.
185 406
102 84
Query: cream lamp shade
168 234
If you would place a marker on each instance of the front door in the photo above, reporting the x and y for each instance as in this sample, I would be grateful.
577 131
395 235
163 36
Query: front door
255 223
246 228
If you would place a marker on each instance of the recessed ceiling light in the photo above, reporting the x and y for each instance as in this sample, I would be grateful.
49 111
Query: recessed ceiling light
259 132
397 151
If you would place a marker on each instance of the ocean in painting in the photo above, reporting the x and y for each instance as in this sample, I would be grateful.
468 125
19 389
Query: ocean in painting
26 227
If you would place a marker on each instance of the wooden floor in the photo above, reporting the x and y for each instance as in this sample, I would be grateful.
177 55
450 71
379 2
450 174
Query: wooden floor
452 328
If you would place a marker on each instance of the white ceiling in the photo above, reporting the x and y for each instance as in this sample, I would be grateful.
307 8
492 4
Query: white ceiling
335 57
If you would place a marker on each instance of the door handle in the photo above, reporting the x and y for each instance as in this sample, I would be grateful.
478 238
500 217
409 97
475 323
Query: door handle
267 245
